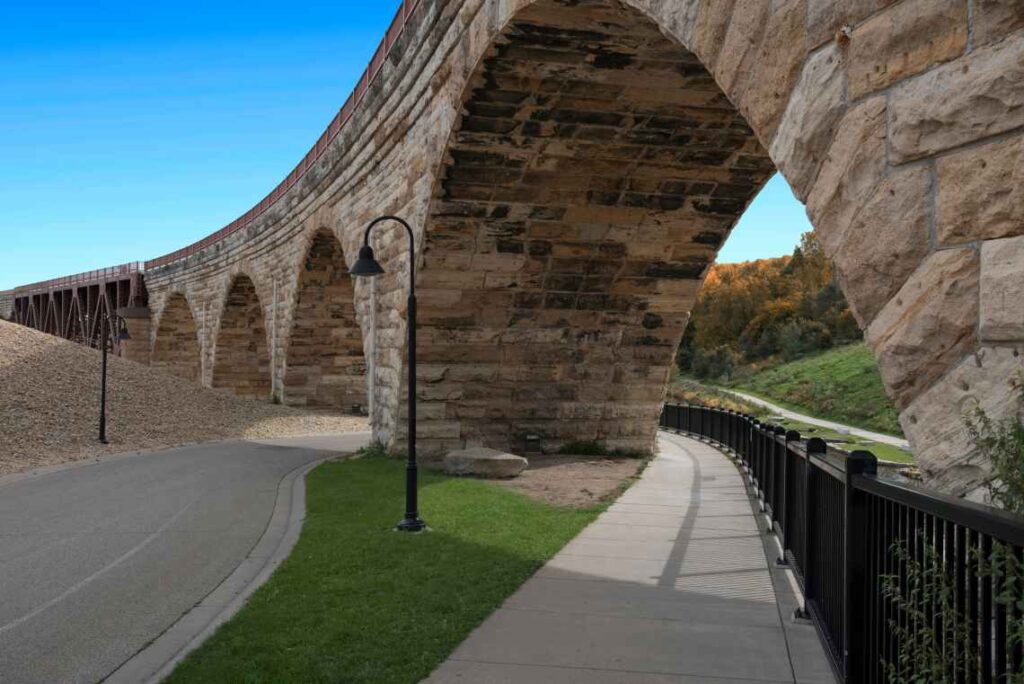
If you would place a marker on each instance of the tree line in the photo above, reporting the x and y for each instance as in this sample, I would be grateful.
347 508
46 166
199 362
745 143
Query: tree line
755 311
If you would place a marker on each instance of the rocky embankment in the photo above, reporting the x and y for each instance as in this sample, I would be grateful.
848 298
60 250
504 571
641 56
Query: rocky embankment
49 406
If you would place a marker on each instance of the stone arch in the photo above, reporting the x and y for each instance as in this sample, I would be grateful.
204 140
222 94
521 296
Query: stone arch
595 172
324 364
241 357
604 148
176 347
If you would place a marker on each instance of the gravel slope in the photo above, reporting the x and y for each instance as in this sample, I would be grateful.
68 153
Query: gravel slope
49 406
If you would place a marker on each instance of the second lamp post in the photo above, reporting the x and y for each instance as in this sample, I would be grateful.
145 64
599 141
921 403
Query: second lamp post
367 266
122 335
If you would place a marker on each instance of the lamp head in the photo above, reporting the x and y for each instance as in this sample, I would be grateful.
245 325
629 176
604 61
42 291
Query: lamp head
122 329
366 265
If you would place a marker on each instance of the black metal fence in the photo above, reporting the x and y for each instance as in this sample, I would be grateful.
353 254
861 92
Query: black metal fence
903 584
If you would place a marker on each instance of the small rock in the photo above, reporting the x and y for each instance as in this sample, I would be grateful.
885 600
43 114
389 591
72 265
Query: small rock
484 462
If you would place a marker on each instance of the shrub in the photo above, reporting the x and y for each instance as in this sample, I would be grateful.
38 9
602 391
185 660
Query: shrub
373 450
1001 443
924 653
715 364
802 336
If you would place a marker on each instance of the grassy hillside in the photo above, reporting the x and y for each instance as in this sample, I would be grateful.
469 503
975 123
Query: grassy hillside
842 384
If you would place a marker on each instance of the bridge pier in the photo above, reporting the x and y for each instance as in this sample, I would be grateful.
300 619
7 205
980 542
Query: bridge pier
137 321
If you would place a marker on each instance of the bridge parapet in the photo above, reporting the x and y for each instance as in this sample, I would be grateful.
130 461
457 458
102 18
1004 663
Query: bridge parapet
76 307
384 50
95 277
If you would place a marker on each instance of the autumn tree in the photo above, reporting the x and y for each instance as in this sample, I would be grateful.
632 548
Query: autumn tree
788 307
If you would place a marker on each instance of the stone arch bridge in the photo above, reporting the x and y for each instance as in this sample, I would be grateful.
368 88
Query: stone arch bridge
572 167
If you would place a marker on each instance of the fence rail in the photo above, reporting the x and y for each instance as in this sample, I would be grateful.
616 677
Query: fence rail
903 584
89 277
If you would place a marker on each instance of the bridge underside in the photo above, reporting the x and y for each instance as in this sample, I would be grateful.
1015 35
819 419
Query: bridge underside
242 361
596 172
325 365
176 348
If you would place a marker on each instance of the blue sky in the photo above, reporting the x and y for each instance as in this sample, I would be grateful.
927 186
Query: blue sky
128 130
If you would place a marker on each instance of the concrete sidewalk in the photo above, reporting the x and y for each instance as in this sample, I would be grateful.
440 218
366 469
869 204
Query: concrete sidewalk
671 585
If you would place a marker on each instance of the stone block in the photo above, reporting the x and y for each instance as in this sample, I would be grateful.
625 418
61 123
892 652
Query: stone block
484 462
905 39
809 122
765 89
710 30
441 429
886 242
979 193
853 167
979 95
1002 290
935 421
996 19
929 325
739 51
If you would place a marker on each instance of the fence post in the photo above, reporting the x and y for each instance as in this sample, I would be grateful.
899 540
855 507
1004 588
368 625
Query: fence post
817 447
758 447
776 446
731 430
755 425
759 475
762 467
791 436
855 568
749 441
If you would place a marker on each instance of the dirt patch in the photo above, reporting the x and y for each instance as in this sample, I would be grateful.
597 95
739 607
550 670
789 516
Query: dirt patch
577 481
49 406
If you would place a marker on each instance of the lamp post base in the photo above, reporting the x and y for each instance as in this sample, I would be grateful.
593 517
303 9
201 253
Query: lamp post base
411 525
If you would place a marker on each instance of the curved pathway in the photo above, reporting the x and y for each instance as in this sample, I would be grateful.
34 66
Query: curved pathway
97 561
820 422
671 585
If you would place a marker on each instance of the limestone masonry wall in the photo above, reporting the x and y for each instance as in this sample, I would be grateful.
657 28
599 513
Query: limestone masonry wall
571 168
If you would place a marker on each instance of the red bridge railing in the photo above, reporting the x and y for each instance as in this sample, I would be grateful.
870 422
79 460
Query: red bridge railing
98 275
396 29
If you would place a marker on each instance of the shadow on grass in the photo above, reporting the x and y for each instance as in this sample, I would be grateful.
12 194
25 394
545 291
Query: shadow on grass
357 602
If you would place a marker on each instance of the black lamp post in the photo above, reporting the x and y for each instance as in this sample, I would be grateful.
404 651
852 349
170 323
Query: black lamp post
366 266
122 335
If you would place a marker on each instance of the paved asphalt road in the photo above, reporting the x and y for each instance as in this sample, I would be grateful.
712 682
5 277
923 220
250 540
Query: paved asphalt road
820 422
98 560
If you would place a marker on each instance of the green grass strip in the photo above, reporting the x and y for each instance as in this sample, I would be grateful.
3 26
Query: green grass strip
356 602
842 384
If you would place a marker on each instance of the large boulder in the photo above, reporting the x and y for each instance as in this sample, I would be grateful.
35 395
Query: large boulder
484 462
